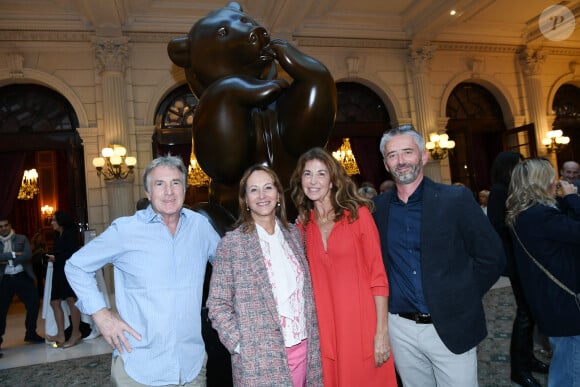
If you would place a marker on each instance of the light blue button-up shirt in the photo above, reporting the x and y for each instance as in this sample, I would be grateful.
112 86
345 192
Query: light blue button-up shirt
158 290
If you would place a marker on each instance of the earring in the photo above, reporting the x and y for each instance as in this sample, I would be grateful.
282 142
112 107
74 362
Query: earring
248 209
278 204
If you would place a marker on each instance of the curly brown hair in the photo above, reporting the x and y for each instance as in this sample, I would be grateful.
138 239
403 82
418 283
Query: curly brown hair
344 191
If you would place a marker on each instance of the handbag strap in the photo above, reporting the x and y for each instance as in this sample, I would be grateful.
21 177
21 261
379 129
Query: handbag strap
547 272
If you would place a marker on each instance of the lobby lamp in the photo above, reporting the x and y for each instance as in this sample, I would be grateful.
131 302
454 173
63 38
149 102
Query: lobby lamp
114 165
439 145
345 157
555 140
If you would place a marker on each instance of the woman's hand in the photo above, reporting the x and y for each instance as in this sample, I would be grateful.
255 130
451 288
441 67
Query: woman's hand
382 347
566 188
382 344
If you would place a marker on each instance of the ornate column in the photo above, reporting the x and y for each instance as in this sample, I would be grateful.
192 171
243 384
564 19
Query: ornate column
419 61
111 57
531 62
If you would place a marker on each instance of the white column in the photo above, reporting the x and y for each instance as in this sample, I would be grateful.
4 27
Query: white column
419 61
531 62
111 56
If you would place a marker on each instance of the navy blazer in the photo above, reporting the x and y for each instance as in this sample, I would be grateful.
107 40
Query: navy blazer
461 258
553 238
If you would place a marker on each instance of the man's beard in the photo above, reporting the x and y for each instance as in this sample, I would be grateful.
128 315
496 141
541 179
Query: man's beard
409 176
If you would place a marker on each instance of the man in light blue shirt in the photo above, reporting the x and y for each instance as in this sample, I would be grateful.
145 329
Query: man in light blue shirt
159 257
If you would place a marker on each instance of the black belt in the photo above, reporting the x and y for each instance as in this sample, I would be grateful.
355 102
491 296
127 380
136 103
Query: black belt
419 318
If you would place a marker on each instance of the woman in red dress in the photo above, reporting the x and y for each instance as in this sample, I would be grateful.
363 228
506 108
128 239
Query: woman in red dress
349 280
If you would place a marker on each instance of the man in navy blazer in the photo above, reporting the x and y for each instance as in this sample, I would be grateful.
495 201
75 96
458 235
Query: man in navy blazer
441 255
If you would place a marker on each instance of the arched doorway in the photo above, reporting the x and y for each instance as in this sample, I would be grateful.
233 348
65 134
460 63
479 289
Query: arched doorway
362 117
173 134
476 125
566 105
39 130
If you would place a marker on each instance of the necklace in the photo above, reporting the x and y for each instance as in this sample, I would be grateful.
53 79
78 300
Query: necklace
324 219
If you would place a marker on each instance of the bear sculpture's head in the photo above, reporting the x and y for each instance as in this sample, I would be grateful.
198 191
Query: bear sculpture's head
226 42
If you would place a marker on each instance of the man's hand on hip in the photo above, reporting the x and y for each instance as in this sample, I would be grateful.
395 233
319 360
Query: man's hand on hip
113 329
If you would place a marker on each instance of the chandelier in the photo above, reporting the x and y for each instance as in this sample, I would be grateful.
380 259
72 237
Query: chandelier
196 177
29 186
345 157
439 145
114 165
555 140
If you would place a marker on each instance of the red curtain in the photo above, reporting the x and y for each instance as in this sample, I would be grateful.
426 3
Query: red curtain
11 178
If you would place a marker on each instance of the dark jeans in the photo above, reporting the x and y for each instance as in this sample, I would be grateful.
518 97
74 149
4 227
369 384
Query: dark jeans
522 341
22 285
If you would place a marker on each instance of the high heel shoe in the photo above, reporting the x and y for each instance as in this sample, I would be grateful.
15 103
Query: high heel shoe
71 342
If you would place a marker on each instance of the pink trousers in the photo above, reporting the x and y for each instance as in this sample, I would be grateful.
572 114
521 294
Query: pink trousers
298 362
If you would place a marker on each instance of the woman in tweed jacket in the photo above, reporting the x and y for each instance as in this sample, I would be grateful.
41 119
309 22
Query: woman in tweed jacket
260 298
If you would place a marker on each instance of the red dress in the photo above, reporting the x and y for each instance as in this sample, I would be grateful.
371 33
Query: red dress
345 277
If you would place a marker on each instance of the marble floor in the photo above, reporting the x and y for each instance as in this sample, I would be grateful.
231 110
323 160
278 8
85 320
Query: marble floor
18 353
493 353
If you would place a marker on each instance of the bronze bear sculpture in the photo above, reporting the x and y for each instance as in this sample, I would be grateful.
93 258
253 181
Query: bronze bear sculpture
246 113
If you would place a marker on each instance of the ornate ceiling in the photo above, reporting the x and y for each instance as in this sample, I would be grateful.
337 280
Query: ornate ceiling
372 22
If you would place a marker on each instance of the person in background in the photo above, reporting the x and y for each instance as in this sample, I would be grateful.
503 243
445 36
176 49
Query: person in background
260 299
386 185
65 245
482 198
546 244
17 277
442 256
522 359
38 244
159 257
367 190
142 204
348 276
570 172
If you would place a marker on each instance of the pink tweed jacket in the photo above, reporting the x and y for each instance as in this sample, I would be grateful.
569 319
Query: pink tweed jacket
243 311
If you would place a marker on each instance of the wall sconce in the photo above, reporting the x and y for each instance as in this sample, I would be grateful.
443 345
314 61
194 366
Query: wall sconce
439 145
345 157
110 166
29 185
555 141
47 212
